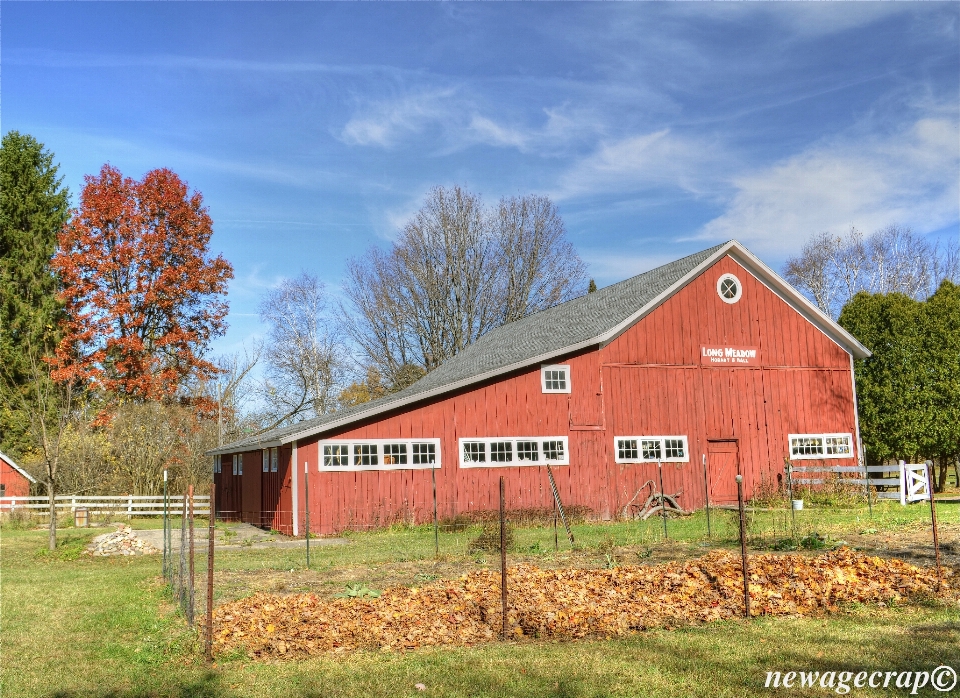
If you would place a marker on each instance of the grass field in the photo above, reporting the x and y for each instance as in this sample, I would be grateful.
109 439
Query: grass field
71 625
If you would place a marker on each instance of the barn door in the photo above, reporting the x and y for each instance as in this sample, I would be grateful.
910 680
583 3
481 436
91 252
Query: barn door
723 463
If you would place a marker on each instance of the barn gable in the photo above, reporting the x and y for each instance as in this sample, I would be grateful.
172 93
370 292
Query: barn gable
595 319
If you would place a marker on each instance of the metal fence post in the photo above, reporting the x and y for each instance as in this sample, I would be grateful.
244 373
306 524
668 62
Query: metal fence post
191 597
436 521
166 551
793 514
306 505
663 500
211 531
706 494
743 549
503 558
933 522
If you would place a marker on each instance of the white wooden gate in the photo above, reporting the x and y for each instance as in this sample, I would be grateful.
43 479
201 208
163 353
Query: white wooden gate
914 482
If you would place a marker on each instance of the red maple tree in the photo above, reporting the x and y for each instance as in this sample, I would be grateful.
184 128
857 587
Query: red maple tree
143 297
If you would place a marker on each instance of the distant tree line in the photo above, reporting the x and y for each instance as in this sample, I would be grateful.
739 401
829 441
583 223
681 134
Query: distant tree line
898 294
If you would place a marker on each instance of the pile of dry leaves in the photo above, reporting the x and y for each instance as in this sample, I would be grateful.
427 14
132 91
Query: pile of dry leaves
564 603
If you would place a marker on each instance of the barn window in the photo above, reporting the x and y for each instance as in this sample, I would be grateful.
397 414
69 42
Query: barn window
729 288
474 452
806 446
3 489
266 460
336 454
651 449
238 464
525 450
273 459
627 450
555 379
501 451
380 454
394 454
424 454
674 448
365 454
553 450
216 464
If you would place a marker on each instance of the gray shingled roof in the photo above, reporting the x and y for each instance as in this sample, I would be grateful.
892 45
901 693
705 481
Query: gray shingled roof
535 337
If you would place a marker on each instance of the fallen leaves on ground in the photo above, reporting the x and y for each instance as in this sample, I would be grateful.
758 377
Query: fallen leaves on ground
564 603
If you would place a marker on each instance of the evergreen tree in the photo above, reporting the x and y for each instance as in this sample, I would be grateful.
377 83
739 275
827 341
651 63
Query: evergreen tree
908 392
34 206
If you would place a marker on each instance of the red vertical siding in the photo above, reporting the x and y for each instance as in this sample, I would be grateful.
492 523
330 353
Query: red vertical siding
15 484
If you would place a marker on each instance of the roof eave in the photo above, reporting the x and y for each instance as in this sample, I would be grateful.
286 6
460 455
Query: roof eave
254 446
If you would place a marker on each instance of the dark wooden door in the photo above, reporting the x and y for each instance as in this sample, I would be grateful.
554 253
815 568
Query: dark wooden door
723 464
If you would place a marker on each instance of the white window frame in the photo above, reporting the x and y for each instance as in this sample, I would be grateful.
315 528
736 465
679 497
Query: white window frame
238 464
379 444
823 455
216 463
514 462
555 367
663 449
274 459
265 457
724 277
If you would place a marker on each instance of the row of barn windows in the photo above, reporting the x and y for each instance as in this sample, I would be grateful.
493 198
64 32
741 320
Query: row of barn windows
550 450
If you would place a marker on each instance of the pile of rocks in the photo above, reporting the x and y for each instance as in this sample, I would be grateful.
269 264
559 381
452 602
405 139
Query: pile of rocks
123 541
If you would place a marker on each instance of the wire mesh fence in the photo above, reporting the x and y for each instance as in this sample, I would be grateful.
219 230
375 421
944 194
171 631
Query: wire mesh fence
418 546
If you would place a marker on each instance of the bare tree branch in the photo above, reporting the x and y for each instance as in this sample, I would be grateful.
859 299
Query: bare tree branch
305 354
457 271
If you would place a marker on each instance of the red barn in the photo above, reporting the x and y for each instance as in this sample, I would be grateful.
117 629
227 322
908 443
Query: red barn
14 480
712 365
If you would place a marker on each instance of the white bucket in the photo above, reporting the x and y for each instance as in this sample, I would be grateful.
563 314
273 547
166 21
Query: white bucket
797 504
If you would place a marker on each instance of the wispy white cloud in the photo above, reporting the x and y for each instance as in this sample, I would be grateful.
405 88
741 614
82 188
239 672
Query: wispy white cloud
644 161
908 176
45 58
457 119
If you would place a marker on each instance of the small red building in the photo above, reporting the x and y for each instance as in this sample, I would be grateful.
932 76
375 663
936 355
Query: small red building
711 365
14 480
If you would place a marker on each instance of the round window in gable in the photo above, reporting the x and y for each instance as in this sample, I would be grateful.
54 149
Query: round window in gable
729 288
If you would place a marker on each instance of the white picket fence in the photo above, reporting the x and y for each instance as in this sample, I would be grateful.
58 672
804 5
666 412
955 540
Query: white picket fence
121 505
910 480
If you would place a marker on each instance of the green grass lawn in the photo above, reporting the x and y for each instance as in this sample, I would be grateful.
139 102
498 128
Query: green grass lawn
72 625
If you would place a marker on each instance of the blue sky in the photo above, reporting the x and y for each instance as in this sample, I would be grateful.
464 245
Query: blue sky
314 130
